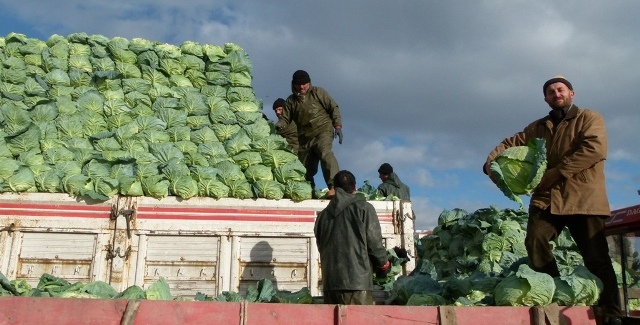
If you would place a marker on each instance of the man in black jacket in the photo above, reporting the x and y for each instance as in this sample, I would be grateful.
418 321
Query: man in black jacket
290 132
349 240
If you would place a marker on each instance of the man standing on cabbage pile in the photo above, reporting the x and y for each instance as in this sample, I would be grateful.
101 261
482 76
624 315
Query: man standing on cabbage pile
572 191
318 119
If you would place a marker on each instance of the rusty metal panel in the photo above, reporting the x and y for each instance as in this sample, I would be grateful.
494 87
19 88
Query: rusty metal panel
283 260
6 239
187 263
66 255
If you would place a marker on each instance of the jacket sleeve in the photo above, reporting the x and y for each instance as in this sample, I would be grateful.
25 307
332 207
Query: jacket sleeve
377 252
591 149
330 106
286 118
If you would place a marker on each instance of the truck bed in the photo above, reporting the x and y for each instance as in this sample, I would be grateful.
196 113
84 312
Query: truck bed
198 245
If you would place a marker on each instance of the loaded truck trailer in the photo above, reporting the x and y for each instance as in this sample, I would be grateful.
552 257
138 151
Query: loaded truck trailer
211 246
197 245
208 246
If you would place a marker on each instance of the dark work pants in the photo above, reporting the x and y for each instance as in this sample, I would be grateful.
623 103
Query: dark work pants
348 297
588 233
319 150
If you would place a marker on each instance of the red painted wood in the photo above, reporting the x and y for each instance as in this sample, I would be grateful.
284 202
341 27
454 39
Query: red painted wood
26 310
60 311
187 312
283 314
396 315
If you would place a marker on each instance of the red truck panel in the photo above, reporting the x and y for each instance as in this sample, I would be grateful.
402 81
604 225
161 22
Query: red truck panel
624 220
25 310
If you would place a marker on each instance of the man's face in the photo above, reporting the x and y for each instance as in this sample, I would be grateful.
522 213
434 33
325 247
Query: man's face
558 95
278 111
382 176
302 88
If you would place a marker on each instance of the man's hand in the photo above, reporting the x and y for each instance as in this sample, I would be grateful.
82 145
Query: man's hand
337 133
402 253
550 177
487 170
382 271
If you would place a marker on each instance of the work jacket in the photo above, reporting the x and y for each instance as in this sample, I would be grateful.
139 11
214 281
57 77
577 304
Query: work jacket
577 146
290 133
394 186
349 240
313 112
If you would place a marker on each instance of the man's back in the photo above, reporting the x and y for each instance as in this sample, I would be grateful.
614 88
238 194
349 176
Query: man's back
349 239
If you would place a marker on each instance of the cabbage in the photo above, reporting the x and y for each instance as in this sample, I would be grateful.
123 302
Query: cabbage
580 288
525 288
407 286
518 170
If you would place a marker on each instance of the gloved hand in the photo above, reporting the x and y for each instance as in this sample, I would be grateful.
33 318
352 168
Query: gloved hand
337 133
402 253
382 271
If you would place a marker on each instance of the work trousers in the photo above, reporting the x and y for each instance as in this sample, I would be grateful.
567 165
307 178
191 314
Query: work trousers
348 297
319 150
588 233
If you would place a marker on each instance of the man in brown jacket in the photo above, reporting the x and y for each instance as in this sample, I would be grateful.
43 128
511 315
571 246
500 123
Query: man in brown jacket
572 192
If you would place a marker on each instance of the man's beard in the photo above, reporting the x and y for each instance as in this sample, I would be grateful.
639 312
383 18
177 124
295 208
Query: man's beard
563 104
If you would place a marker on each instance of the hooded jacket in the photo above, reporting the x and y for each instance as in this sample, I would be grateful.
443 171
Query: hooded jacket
394 186
577 147
290 133
349 240
313 112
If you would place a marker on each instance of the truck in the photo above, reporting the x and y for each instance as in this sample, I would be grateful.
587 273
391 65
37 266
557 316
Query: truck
622 230
203 245
199 245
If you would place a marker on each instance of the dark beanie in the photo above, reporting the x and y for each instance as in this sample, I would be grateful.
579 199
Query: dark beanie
385 169
278 103
300 77
555 79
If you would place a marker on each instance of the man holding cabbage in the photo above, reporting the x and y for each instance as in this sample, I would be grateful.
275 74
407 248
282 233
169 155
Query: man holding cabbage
570 192
318 119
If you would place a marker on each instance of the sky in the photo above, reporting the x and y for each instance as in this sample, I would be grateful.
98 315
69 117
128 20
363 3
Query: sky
430 87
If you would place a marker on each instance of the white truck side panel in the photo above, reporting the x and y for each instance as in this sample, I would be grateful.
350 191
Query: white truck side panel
197 245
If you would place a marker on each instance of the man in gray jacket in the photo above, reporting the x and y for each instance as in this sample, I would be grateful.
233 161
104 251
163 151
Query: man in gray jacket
349 240
391 183
318 119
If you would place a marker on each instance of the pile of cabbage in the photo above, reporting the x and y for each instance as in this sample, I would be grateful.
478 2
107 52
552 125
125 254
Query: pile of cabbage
52 286
480 259
99 117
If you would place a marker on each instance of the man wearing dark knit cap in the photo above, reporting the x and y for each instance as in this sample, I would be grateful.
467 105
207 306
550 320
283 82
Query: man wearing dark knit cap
317 117
391 183
572 192
290 132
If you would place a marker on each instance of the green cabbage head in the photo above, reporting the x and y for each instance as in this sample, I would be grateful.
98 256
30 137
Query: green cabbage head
518 170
